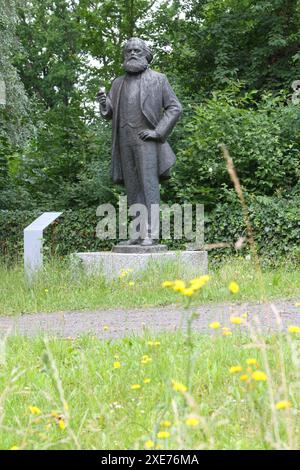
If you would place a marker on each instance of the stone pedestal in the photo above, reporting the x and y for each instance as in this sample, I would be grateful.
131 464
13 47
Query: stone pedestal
183 263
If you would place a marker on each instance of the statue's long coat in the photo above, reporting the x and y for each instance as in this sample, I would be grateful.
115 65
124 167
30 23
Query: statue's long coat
161 109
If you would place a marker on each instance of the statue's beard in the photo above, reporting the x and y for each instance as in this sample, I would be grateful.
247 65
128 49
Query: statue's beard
136 65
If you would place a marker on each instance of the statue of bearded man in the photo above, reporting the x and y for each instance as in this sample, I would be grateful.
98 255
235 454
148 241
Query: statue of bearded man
144 109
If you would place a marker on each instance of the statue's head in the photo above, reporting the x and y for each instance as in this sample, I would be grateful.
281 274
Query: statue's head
137 55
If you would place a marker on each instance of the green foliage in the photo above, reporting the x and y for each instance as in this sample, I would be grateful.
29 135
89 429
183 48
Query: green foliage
275 222
14 121
50 62
66 167
263 139
73 231
256 41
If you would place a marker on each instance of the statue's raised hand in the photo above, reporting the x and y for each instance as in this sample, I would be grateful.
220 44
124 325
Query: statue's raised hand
148 134
101 97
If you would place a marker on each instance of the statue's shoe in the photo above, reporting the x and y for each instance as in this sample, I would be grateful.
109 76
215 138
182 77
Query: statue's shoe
148 242
130 242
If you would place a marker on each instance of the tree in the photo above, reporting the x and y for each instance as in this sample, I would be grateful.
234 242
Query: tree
14 120
256 41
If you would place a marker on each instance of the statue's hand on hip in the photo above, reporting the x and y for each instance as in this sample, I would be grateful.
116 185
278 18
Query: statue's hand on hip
148 134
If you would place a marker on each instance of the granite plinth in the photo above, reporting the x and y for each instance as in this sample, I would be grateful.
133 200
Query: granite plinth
185 263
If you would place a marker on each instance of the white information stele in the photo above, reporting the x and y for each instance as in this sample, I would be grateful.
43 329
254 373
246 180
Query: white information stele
33 242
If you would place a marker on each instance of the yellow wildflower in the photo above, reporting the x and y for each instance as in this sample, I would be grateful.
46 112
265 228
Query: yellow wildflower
297 304
62 424
178 387
235 369
283 405
166 424
106 328
259 376
187 292
192 422
14 448
244 315
226 333
149 444
34 410
215 325
199 282
117 365
147 381
145 359
244 377
153 343
234 287
158 447
236 320
294 329
251 361
163 435
135 387
167 284
178 285
125 272
131 283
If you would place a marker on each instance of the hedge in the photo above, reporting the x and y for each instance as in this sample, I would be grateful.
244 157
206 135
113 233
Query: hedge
275 221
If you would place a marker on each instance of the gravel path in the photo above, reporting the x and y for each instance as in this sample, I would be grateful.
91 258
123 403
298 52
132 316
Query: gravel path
111 324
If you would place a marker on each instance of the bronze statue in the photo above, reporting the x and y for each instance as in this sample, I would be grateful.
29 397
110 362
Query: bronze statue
144 109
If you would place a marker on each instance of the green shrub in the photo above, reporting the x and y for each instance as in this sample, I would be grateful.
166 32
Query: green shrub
275 221
263 139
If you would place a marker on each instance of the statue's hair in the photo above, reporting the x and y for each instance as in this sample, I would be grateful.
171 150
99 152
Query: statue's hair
149 55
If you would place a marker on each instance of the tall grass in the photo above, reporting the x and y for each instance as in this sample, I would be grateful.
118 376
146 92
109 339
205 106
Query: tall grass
60 286
75 382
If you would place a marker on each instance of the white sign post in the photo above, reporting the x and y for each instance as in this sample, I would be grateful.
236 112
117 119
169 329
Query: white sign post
33 242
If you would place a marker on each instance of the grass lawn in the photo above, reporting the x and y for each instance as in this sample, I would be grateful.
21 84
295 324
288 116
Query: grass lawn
60 287
67 394
173 391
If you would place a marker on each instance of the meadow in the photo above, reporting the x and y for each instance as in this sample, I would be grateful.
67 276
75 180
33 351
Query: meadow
61 286
167 392
231 389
